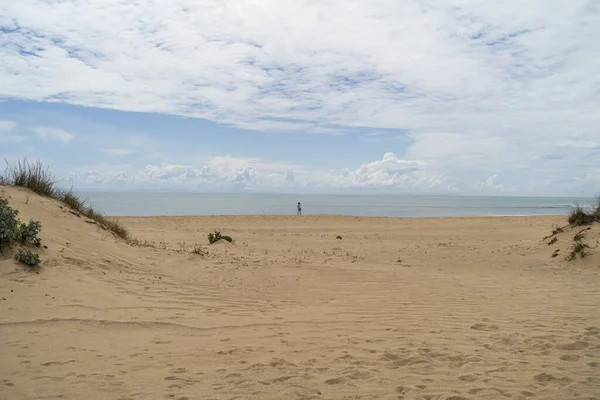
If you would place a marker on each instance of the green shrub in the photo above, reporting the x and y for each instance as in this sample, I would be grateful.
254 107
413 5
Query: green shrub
215 237
28 257
13 231
28 233
9 225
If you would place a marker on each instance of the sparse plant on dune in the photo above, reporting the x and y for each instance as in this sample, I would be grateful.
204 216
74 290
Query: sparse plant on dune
28 233
199 250
71 199
13 231
579 249
9 225
33 176
579 216
27 257
579 236
216 236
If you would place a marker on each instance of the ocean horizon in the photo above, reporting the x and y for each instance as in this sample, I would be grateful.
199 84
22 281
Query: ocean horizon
136 204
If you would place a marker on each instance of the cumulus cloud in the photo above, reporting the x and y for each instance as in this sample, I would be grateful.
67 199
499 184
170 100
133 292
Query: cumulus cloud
46 133
388 173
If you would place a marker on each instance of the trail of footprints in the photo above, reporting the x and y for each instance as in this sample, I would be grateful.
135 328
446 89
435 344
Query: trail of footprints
417 364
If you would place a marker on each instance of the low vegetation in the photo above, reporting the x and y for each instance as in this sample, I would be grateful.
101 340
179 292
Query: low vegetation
27 257
199 250
579 248
580 216
215 237
14 232
33 176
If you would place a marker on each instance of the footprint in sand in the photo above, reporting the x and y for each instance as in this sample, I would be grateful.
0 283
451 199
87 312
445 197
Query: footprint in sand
484 327
546 379
592 331
467 378
570 357
336 381
401 390
456 398
578 345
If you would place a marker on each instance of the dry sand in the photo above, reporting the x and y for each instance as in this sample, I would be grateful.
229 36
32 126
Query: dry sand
458 308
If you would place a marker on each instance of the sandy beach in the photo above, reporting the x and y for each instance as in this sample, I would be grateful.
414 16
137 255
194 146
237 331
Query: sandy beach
311 307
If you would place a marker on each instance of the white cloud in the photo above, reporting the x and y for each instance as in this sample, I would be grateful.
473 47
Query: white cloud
389 173
229 162
118 153
7 135
238 173
7 126
46 133
483 87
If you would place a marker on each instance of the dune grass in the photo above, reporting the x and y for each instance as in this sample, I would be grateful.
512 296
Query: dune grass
37 178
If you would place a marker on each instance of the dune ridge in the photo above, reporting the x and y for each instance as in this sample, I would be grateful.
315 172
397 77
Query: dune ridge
450 308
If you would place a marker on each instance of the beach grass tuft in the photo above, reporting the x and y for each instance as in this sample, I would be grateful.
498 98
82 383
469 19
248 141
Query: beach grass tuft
37 178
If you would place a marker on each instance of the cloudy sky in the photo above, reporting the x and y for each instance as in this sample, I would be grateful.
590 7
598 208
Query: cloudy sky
413 96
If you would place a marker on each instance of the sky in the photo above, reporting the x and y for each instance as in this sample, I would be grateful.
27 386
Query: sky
331 96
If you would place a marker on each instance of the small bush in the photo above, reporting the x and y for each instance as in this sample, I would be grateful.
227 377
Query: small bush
579 216
28 233
28 257
554 240
9 225
215 237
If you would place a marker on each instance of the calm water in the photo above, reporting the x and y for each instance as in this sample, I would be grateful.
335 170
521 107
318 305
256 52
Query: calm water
168 204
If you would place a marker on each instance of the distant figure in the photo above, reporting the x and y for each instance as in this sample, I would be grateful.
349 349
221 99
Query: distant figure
299 209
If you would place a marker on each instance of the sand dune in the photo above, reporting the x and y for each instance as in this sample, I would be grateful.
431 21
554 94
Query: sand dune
456 308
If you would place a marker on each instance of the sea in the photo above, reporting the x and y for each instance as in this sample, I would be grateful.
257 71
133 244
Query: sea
405 206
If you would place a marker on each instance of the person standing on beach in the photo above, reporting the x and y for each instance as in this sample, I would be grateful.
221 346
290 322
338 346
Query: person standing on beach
299 209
